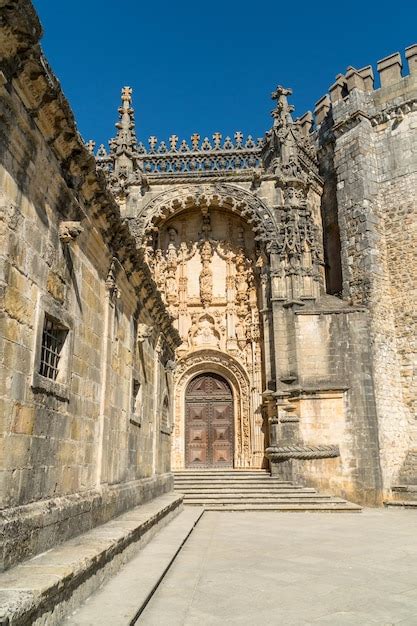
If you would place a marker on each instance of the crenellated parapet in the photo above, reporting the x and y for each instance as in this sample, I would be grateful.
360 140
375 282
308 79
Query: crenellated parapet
354 96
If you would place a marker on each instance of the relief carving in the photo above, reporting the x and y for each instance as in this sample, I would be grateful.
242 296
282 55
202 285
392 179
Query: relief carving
204 332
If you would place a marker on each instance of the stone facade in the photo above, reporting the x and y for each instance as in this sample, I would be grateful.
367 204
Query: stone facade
279 260
91 440
283 265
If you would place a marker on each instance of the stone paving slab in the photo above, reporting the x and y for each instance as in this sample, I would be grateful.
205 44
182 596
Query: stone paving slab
262 568
118 602
43 589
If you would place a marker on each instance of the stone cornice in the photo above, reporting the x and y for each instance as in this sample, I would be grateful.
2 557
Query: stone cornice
26 71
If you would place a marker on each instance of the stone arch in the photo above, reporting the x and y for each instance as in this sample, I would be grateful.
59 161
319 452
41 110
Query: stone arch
234 373
217 195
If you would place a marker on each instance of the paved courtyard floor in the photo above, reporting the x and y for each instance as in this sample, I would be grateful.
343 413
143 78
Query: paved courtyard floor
286 568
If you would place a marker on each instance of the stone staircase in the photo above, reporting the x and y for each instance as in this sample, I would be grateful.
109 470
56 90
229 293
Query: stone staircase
403 496
253 490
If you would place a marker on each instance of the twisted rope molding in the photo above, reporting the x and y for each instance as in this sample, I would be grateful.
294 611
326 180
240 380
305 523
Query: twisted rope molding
283 453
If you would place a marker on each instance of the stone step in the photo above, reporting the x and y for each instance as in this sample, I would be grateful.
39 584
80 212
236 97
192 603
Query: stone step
244 501
246 490
346 507
401 493
235 475
241 489
235 472
51 585
237 489
245 496
222 473
231 481
406 504
121 600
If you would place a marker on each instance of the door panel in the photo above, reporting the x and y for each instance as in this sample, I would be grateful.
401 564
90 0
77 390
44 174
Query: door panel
208 422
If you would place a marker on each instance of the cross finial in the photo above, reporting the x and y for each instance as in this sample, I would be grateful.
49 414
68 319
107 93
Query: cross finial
127 94
195 138
90 145
173 140
283 110
217 137
238 138
152 142
281 91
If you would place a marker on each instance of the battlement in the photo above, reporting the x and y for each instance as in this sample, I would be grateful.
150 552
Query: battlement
389 70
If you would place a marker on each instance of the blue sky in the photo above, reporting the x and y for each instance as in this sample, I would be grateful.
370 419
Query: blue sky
206 67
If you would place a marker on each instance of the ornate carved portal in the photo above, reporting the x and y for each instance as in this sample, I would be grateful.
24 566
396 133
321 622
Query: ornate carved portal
208 422
206 264
244 418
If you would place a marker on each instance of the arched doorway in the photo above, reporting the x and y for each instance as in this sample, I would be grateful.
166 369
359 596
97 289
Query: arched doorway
208 422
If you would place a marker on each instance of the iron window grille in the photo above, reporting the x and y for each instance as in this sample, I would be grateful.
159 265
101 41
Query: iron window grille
54 335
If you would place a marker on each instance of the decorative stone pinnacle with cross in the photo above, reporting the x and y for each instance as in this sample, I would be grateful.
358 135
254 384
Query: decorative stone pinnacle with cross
283 110
127 94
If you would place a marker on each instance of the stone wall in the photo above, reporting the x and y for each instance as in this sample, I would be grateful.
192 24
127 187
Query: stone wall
84 445
336 404
373 137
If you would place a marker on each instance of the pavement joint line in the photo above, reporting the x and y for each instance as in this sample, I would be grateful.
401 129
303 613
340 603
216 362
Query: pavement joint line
190 603
165 571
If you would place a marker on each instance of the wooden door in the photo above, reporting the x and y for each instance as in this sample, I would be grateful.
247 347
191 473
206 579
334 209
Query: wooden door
208 422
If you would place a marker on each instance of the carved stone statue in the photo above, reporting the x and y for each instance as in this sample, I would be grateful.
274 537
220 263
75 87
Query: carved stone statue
206 275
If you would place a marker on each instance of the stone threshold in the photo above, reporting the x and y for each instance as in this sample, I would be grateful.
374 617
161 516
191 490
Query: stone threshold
49 586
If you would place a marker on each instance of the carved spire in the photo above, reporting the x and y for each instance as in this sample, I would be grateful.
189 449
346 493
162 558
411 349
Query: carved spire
286 150
124 154
124 144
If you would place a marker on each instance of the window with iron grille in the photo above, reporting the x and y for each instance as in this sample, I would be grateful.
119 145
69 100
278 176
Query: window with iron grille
54 335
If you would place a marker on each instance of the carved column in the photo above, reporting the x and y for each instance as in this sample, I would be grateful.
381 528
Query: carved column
182 292
267 325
